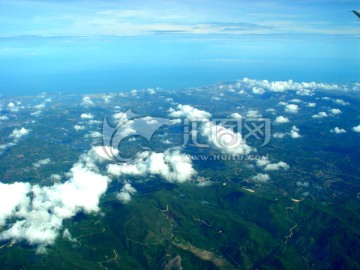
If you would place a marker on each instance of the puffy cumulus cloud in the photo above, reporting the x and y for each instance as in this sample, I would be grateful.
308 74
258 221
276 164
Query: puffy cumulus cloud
258 90
236 116
92 122
356 129
105 152
13 107
174 122
13 200
295 132
302 88
261 177
337 130
295 100
86 116
335 111
311 104
35 214
171 165
279 135
305 92
78 127
150 120
41 162
55 177
18 133
224 139
281 120
320 115
107 98
151 91
341 102
94 134
261 162
86 102
120 116
264 163
125 193
189 113
253 114
39 106
3 118
276 166
291 108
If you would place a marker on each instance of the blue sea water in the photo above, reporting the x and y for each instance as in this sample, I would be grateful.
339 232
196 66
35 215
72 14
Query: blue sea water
29 66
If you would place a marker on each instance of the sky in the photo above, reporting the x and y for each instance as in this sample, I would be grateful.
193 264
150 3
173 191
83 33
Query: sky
107 46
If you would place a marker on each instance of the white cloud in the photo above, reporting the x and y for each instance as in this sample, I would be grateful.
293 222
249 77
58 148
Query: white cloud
55 177
224 139
262 162
338 130
335 111
78 127
94 134
294 132
261 177
320 115
174 122
189 113
92 122
305 92
39 106
295 100
86 102
67 235
35 214
276 166
13 199
41 162
253 114
151 91
125 193
106 152
341 102
87 116
291 108
281 120
171 165
302 88
18 133
236 115
36 113
356 129
311 104
279 135
258 90
3 118
107 98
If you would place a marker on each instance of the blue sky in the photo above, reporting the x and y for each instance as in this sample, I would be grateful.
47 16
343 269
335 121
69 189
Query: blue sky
99 46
